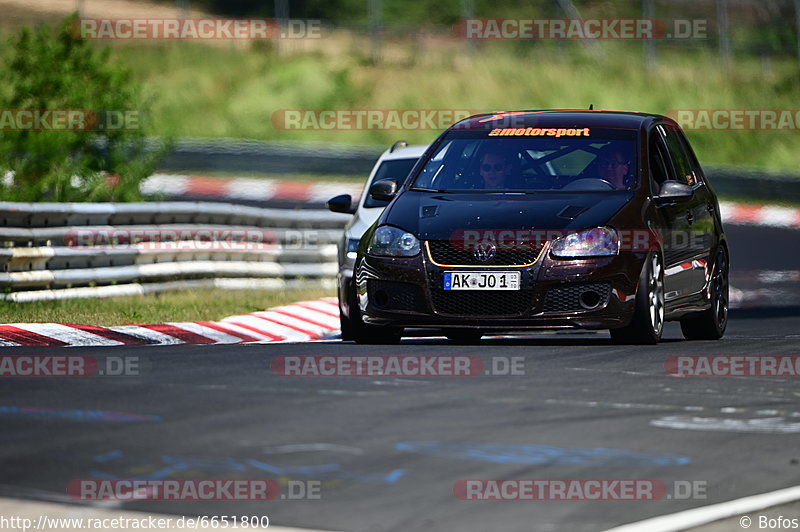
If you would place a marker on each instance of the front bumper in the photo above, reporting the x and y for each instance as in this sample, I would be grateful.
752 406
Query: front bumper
402 292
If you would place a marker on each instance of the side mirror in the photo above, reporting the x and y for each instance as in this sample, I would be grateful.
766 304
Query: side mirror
673 192
342 203
383 190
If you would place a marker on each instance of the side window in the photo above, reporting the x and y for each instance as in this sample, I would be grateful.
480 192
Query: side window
658 166
677 154
397 169
697 171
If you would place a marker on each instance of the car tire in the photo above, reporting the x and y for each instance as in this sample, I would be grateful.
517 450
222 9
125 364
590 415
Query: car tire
345 323
647 323
464 336
363 333
711 323
345 326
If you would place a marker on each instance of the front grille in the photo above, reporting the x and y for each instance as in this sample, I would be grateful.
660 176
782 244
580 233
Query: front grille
567 298
445 253
483 303
392 295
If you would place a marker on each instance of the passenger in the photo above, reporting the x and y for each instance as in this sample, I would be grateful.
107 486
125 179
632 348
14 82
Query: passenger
613 166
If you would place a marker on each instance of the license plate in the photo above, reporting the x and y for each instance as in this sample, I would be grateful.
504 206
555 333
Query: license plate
481 280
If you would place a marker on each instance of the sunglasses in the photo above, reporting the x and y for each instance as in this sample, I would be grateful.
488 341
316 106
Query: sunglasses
496 167
612 163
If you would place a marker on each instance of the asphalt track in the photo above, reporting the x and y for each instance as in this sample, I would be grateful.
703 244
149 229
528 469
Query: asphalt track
388 451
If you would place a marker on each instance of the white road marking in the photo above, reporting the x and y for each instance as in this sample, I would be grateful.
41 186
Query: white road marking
772 425
708 514
313 447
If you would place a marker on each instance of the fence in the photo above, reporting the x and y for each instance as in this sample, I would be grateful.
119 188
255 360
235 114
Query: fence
387 30
54 250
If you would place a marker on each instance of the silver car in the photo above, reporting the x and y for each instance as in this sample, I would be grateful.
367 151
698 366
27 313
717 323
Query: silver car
395 163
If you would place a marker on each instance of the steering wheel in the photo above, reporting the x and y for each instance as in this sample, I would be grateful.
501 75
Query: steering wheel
589 183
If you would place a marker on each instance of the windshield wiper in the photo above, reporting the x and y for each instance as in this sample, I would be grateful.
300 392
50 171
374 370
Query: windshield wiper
423 189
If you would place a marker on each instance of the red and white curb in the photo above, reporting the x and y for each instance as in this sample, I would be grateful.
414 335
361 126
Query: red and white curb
299 322
248 188
760 215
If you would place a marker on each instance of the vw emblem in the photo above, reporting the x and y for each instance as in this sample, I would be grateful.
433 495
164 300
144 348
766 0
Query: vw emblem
485 251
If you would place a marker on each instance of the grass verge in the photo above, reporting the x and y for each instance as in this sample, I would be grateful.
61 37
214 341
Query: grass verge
208 305
204 91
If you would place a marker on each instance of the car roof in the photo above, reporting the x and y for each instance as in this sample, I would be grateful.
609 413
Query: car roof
407 152
552 118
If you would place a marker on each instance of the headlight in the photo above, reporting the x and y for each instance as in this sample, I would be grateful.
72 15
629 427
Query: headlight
597 242
388 241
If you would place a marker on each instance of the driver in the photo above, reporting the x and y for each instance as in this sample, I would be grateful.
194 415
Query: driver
495 169
613 166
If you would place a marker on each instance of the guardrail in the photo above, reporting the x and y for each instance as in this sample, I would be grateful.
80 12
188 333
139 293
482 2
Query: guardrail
56 250
276 157
754 183
286 158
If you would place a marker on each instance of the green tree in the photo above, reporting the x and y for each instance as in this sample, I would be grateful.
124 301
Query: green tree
104 154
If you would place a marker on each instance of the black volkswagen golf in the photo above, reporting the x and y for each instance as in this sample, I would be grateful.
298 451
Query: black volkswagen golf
546 220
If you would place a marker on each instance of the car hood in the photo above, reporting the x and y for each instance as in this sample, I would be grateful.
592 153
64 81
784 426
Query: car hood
433 216
362 221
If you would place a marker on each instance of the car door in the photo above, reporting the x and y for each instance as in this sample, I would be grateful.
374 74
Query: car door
705 213
671 225
691 220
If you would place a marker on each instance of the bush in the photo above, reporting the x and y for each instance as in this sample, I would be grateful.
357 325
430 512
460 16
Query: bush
104 154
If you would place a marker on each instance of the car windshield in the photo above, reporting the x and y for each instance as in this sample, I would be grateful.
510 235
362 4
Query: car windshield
397 169
532 160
